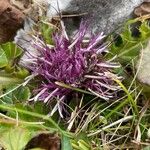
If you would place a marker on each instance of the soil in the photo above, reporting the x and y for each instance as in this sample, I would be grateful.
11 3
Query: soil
11 19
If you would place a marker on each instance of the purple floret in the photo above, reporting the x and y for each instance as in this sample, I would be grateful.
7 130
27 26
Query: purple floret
76 62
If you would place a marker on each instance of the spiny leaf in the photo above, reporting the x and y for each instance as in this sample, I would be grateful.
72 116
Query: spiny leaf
130 46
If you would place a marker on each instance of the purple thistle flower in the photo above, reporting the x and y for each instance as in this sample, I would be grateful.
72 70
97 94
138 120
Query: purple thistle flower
78 63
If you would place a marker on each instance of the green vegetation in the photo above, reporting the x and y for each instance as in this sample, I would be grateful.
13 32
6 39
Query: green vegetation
94 124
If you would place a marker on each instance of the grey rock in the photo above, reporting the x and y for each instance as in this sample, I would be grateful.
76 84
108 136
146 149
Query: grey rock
105 15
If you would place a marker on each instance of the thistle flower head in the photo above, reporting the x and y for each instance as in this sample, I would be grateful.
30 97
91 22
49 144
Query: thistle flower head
75 62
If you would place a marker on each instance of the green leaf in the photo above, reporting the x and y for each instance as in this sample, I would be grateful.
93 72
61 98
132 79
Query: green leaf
8 80
22 94
83 145
146 148
128 46
10 108
8 52
46 31
3 58
41 108
37 149
80 145
65 143
144 30
19 95
11 50
21 73
15 138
